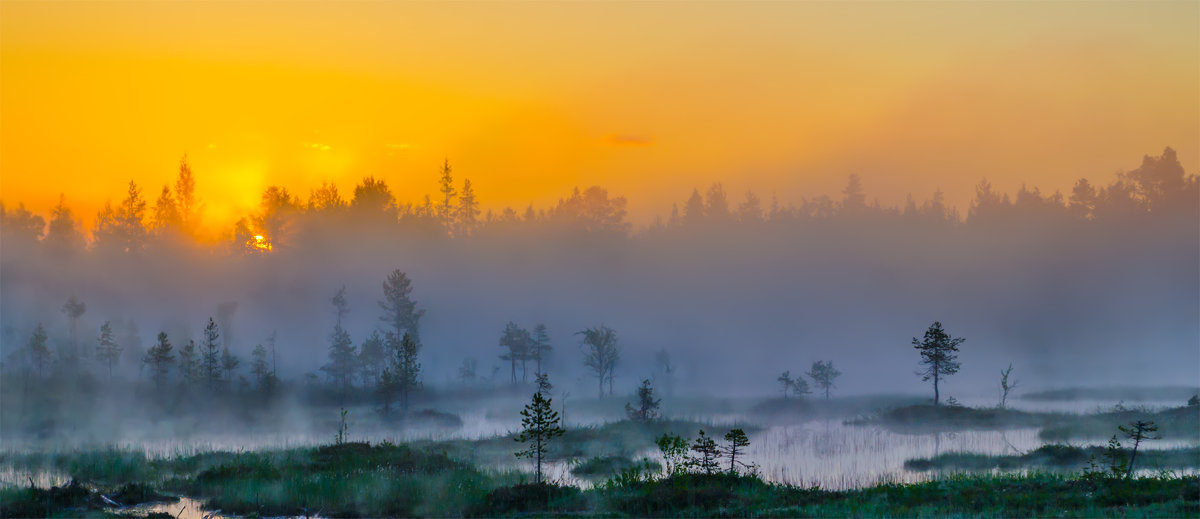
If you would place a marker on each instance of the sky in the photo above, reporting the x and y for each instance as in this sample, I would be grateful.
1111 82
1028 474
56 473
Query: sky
528 99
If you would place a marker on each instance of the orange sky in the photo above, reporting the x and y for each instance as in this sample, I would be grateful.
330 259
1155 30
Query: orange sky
648 99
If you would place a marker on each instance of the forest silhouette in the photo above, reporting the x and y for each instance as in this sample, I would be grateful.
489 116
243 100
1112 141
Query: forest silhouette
1100 283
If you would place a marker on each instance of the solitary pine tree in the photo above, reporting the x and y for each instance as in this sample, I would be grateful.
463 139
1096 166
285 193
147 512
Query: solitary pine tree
108 352
210 356
39 353
540 424
1138 431
601 355
737 442
823 374
647 408
707 454
159 359
939 355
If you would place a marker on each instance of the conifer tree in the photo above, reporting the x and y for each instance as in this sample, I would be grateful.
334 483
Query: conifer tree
823 374
210 356
108 352
647 408
736 443
939 355
706 456
159 359
540 424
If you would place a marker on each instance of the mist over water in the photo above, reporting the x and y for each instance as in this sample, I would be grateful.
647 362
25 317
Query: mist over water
1071 291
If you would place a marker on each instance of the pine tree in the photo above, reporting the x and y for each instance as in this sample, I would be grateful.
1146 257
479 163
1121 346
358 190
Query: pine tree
159 359
647 408
107 351
74 309
736 443
210 356
468 210
341 307
786 381
342 360
371 359
823 375
399 309
63 236
800 387
261 368
189 365
229 364
939 354
1138 431
445 208
186 203
540 424
707 454
405 370
539 346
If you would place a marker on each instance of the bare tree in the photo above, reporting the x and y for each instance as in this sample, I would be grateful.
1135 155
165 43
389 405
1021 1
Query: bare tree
1007 385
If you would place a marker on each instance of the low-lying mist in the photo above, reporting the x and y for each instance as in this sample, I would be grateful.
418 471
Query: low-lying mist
1102 286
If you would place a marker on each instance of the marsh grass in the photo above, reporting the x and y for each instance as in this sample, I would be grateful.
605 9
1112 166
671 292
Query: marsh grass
1053 457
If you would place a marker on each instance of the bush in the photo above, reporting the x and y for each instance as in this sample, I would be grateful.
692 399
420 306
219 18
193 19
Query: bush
530 497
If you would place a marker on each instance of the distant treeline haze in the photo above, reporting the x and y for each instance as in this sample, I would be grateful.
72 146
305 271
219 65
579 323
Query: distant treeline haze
1098 284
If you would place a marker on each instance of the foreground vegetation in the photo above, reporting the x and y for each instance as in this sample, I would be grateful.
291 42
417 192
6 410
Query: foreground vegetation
361 480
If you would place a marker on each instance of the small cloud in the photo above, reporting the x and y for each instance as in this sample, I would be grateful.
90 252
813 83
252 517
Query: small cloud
630 140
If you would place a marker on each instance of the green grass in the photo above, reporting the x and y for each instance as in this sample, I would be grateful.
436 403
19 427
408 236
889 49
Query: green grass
1055 457
1177 423
361 480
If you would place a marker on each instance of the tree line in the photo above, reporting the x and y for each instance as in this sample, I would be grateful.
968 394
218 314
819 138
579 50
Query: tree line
285 220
